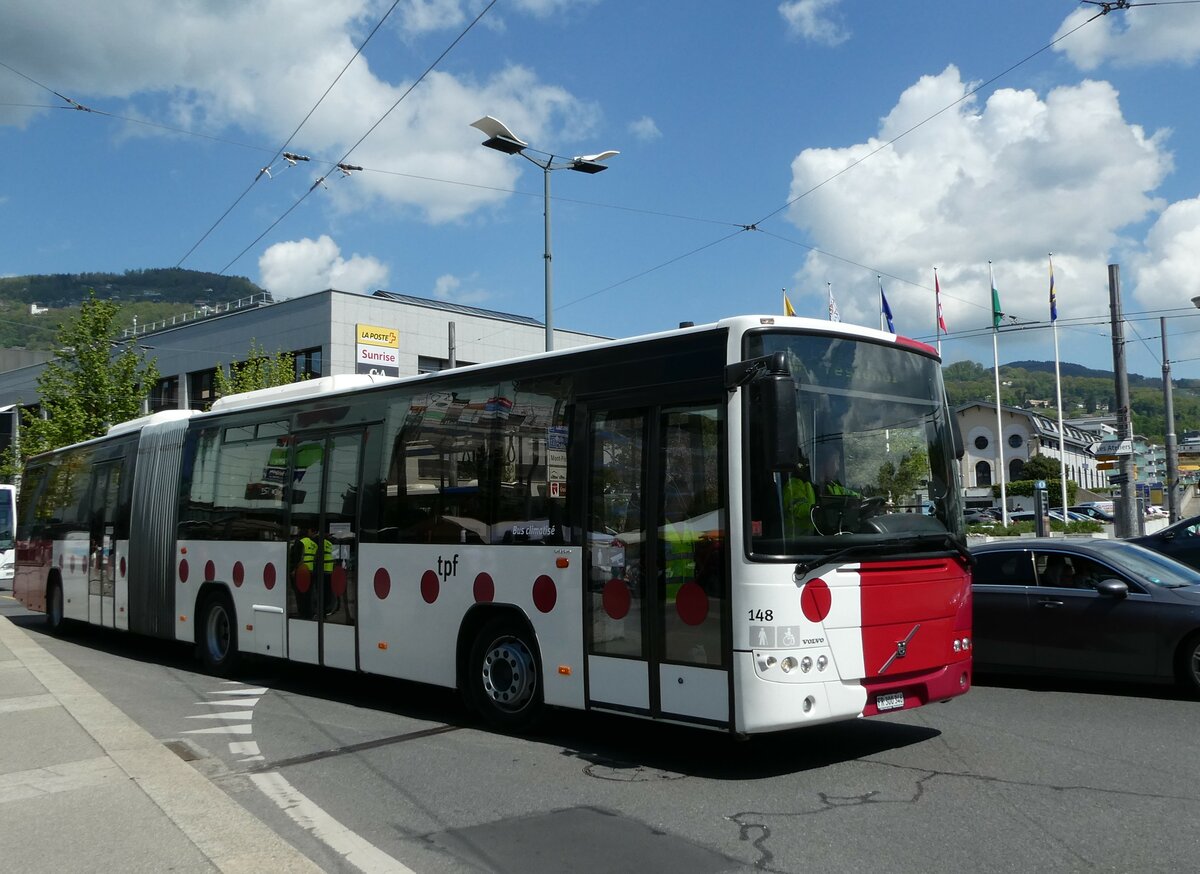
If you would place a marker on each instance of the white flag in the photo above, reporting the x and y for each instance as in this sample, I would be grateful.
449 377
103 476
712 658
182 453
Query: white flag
834 315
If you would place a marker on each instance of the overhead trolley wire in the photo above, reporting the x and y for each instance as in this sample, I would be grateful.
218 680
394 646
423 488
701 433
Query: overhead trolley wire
291 137
342 161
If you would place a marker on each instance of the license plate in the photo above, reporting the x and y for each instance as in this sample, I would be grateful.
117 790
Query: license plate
889 701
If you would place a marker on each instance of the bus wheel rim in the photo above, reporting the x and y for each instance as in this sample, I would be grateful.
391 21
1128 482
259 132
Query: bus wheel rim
217 633
509 677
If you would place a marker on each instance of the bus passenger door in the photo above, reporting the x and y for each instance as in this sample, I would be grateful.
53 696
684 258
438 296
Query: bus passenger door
323 562
102 547
657 565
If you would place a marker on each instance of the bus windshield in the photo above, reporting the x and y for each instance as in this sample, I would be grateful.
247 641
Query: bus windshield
876 451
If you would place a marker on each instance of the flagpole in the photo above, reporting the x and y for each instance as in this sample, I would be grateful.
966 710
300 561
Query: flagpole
882 326
996 314
937 312
1062 451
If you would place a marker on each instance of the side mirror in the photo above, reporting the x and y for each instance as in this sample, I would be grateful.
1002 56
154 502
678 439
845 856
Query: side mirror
772 407
960 448
773 404
1112 588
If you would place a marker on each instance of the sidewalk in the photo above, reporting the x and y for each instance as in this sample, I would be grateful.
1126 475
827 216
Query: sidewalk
84 788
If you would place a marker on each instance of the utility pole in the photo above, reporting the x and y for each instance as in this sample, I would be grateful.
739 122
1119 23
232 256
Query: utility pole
1126 523
1172 446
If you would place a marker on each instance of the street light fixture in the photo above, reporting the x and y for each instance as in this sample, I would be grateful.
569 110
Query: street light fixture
500 138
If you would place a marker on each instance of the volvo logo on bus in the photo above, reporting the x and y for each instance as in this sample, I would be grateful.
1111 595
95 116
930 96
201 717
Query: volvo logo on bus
901 649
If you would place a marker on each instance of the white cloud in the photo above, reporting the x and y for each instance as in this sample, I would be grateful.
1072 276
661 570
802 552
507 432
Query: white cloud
258 67
644 129
1011 181
1165 272
1133 37
449 287
810 20
303 266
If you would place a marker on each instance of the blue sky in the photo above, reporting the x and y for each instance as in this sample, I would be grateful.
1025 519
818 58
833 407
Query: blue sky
727 116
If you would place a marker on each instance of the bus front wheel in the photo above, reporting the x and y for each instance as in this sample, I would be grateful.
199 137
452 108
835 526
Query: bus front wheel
503 679
217 639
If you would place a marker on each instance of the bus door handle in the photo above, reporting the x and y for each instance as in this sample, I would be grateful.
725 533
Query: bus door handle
1050 603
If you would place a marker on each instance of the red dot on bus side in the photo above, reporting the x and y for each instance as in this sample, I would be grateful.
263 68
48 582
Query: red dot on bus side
815 600
545 594
383 584
210 571
484 589
239 574
123 567
691 603
616 599
269 576
429 586
183 571
303 578
337 581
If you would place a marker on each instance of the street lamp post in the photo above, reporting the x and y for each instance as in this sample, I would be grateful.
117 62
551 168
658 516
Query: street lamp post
1172 448
504 140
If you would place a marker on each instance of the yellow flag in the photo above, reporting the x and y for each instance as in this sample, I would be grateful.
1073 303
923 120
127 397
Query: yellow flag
787 306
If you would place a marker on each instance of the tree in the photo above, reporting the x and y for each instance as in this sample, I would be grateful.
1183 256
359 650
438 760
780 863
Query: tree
1041 467
86 387
258 370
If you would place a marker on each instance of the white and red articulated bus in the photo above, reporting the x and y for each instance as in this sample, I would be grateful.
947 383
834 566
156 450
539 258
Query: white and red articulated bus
719 525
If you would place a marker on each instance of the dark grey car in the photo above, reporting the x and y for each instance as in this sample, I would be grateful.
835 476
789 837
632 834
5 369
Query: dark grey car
1180 541
1086 607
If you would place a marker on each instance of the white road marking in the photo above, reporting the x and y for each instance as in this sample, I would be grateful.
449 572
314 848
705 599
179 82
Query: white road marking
232 702
356 850
231 715
240 690
244 728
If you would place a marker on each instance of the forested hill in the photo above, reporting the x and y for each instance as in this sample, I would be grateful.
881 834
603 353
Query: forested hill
144 295
1085 392
164 285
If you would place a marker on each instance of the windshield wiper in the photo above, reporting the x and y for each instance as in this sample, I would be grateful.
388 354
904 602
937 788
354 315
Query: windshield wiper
949 541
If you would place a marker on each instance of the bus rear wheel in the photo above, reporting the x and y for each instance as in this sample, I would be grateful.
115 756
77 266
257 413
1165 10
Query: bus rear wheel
504 682
54 608
217 638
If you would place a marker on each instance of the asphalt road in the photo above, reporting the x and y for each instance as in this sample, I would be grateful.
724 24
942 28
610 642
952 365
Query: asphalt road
368 774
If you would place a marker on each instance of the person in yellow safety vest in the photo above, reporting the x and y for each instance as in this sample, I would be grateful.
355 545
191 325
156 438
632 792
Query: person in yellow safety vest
307 559
799 500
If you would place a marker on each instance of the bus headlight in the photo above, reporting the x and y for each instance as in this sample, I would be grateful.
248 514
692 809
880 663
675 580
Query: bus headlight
806 664
788 664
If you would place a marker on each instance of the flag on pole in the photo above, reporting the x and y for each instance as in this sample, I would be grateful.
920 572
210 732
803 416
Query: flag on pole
1053 299
885 309
788 310
997 313
937 293
834 315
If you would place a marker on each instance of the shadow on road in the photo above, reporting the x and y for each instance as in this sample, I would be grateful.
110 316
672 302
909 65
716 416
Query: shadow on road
612 747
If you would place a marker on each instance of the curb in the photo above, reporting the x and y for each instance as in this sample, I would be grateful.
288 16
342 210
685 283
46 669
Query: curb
231 837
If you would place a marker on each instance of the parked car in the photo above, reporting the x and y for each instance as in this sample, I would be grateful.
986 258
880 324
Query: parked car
1087 607
1056 515
1154 510
1180 541
978 517
1092 512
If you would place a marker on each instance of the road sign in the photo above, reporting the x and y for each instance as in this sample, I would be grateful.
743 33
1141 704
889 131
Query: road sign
1115 447
1107 465
1118 479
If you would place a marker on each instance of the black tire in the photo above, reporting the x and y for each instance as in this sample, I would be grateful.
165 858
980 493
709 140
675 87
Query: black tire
216 636
1189 663
504 682
54 607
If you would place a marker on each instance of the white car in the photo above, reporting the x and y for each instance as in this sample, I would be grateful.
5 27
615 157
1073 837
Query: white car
1155 510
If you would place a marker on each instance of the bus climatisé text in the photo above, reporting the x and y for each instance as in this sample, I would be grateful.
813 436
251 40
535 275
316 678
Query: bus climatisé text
718 526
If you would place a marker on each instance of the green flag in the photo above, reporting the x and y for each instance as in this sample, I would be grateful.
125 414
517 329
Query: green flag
997 313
